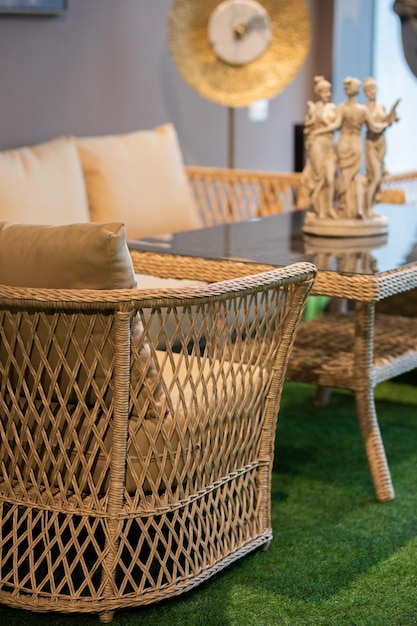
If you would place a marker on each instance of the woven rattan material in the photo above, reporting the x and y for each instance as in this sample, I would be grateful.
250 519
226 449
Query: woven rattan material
225 195
102 506
400 188
327 359
358 287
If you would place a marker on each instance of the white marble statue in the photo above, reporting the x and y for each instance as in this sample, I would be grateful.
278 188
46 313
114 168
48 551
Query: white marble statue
350 205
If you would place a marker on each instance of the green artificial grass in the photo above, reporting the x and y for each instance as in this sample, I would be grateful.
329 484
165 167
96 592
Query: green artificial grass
314 307
338 557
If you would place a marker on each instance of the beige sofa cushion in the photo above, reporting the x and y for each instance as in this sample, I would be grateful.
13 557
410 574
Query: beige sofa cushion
138 178
149 465
43 184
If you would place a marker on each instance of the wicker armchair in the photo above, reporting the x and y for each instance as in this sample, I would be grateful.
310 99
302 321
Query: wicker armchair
125 488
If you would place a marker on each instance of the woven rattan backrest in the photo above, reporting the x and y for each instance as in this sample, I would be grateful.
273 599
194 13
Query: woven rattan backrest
400 188
225 195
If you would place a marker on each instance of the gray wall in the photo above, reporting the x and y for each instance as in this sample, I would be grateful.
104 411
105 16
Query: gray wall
105 67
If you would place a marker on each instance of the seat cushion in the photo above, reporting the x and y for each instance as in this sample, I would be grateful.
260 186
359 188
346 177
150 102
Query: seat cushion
159 450
43 184
148 281
138 178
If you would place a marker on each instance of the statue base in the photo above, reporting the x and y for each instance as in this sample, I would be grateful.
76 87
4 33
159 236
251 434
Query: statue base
336 227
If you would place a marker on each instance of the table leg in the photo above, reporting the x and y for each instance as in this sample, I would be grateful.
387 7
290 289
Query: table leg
323 394
365 402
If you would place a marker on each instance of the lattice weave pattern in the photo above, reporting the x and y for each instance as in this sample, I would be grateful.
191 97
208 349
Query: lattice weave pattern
400 188
225 195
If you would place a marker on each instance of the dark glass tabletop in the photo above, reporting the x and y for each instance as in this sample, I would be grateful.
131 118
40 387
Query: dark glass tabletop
279 240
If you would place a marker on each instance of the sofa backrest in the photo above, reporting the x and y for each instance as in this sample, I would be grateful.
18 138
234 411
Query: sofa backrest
136 178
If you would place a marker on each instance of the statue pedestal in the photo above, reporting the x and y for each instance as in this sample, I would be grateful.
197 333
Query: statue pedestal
336 227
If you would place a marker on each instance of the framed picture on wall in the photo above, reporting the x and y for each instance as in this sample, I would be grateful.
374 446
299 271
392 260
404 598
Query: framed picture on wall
33 7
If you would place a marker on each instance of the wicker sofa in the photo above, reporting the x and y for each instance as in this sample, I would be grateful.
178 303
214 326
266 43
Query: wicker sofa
138 178
128 473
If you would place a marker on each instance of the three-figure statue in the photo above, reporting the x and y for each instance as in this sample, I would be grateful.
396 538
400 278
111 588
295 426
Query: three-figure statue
332 172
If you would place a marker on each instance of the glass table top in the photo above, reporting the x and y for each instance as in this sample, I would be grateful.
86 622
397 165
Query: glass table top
279 240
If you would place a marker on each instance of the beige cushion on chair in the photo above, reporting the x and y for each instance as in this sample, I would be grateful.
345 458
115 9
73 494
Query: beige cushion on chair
148 281
147 443
43 184
138 178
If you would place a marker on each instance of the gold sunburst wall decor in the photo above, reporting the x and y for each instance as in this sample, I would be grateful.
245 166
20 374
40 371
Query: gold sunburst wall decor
235 52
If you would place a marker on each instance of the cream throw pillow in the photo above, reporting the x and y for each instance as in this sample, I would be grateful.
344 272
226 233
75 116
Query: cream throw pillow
138 178
43 184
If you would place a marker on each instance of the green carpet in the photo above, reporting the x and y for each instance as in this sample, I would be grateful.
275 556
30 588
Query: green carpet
338 557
